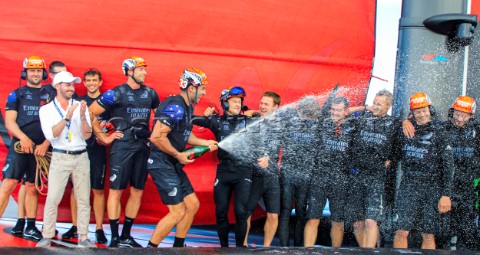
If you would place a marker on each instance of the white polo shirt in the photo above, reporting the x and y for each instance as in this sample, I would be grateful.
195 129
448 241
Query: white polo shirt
51 116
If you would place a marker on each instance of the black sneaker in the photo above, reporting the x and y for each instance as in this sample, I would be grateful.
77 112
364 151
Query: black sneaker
33 234
18 229
71 233
129 242
114 243
100 236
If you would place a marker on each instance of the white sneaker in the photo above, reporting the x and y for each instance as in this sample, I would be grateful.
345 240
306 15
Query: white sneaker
86 244
44 243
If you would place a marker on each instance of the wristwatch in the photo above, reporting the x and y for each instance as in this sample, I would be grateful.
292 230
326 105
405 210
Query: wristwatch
67 119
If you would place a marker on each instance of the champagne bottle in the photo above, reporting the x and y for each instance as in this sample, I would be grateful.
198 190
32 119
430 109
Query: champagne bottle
197 151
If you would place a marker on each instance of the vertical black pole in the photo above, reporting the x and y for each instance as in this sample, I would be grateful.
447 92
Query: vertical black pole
424 62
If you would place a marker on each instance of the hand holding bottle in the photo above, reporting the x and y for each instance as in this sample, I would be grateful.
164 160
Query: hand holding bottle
212 144
197 151
184 157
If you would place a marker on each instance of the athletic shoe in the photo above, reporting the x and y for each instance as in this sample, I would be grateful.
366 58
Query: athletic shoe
71 233
129 242
114 243
44 243
18 229
33 234
86 244
100 236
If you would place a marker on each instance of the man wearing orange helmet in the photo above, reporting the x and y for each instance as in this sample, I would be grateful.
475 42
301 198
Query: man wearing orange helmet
426 184
171 132
22 121
129 106
462 134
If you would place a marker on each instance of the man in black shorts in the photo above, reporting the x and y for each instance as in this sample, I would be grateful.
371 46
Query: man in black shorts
329 179
129 106
54 68
22 121
97 153
301 138
266 182
171 132
428 172
372 147
462 132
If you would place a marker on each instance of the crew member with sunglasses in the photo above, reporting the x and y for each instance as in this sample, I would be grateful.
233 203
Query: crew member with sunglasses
234 172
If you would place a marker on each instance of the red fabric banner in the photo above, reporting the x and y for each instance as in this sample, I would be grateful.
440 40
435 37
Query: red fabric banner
293 48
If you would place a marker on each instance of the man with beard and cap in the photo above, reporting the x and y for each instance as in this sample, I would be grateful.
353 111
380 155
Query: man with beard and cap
129 105
22 121
428 170
329 178
234 172
172 131
66 124
97 153
462 134
372 147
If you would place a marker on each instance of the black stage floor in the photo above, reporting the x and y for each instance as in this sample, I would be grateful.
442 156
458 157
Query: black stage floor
230 251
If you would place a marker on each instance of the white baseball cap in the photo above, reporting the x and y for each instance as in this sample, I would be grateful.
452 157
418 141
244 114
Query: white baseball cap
65 76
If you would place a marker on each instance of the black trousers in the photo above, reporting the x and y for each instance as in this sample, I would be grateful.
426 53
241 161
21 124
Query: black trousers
294 190
226 184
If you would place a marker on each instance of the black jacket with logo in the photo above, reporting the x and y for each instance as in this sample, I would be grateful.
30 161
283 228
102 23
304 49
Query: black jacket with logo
427 157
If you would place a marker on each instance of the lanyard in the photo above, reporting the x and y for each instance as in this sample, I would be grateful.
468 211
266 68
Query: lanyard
60 112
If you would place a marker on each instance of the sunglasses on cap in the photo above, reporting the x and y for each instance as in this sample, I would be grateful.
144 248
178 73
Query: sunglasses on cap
236 92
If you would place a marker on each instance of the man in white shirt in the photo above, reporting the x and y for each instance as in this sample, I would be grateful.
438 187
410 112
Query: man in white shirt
66 124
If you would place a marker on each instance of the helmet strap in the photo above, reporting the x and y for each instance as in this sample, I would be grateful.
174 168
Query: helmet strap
133 77
192 102
196 94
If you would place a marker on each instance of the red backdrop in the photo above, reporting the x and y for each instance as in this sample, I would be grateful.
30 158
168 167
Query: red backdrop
291 47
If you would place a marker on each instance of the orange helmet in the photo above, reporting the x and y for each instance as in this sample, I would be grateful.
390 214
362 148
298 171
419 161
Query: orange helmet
419 100
34 62
465 104
193 76
132 63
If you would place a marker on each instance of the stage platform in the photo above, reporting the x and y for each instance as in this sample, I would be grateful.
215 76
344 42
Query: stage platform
212 251
201 240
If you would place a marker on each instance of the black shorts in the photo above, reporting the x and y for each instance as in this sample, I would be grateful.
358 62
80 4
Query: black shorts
365 198
19 166
128 167
171 181
98 160
327 186
417 206
268 188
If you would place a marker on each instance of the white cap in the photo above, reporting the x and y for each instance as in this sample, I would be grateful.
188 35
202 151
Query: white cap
65 76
